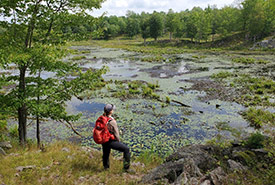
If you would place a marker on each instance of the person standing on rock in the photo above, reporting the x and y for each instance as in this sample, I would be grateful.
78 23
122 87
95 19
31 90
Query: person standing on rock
114 143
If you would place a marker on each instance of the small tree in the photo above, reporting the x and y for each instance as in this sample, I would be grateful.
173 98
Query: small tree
30 43
132 28
156 25
145 26
171 22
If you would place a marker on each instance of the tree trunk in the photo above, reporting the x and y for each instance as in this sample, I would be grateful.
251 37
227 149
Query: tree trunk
170 36
37 115
156 39
38 130
144 42
22 110
50 28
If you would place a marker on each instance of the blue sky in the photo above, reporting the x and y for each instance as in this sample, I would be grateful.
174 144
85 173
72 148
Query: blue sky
120 7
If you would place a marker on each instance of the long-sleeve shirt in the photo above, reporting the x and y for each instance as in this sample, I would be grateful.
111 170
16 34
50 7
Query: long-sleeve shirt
113 128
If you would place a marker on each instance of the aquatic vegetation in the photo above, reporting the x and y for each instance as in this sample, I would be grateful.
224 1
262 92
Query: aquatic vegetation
168 99
222 75
251 90
199 56
76 52
135 89
85 51
258 88
246 61
154 59
258 117
75 58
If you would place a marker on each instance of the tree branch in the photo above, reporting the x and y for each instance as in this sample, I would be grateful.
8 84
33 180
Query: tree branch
72 127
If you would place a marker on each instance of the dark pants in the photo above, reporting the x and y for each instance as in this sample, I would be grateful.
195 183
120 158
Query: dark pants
116 146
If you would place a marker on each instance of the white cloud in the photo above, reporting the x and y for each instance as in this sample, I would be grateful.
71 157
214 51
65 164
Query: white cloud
120 7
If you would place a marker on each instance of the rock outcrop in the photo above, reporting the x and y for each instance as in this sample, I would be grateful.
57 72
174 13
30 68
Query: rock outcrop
201 164
267 43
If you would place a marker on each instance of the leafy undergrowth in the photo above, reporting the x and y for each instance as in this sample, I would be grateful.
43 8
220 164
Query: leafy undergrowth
259 117
66 163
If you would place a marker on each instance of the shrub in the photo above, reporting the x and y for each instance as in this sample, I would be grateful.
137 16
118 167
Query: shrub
255 141
13 131
222 75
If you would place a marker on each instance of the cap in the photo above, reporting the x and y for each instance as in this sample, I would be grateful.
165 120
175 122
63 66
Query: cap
109 107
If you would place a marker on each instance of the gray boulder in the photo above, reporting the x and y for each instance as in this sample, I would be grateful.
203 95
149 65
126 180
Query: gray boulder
65 149
2 152
201 155
217 176
23 168
235 166
169 170
6 145
185 166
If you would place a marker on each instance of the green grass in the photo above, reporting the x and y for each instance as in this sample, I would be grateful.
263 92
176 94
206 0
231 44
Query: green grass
55 166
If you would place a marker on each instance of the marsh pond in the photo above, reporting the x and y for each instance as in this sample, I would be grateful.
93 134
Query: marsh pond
161 105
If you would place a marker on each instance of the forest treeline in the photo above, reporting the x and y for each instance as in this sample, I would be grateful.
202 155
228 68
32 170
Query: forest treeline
255 18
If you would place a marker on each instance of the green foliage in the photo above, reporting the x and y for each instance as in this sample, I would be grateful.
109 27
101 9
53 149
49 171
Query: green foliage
13 131
248 156
259 117
156 25
255 17
3 126
132 25
255 141
150 157
31 42
145 26
171 22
